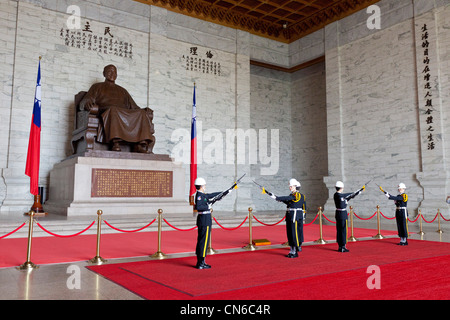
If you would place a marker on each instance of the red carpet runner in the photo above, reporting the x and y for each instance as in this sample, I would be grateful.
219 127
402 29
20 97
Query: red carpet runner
418 271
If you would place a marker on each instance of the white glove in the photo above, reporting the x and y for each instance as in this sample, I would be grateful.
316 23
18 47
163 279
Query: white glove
274 197
387 194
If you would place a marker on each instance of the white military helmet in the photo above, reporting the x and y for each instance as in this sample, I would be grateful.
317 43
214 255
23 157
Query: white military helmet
294 182
339 184
402 186
199 182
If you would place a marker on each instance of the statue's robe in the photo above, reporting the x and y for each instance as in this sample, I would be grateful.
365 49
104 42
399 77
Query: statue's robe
121 118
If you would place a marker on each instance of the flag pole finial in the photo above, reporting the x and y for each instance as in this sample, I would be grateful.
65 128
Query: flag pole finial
40 57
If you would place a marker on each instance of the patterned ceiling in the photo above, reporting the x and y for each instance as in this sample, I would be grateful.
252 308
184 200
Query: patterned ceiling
281 20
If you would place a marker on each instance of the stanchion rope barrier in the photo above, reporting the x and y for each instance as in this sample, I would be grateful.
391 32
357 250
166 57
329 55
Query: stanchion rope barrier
431 220
389 218
189 229
65 236
178 228
284 218
230 229
443 217
135 230
412 221
364 218
308 224
28 265
267 224
14 231
327 218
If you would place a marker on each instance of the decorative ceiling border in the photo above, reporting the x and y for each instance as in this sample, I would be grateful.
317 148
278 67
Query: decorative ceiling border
288 70
203 10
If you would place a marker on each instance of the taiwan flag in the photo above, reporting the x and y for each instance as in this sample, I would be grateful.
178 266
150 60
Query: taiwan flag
34 143
193 147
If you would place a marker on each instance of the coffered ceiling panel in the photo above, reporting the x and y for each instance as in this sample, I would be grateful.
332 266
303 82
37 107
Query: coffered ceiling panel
281 20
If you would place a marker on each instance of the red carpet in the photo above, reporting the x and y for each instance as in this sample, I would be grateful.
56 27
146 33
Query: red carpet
419 271
52 249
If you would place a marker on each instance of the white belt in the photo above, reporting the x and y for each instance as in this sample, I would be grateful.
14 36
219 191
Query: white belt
406 211
341 209
204 212
295 212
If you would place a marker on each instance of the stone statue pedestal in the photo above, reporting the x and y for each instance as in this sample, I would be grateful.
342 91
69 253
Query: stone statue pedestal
118 183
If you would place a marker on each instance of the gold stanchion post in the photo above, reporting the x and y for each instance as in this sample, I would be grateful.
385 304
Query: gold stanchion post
250 246
421 233
439 230
98 259
352 237
28 265
378 235
158 254
320 240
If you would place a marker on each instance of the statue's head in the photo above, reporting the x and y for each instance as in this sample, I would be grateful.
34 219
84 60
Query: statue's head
110 72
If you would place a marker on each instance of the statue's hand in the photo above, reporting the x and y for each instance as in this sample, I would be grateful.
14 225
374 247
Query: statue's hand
88 105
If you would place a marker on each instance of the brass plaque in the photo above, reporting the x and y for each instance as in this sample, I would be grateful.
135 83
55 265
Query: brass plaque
108 183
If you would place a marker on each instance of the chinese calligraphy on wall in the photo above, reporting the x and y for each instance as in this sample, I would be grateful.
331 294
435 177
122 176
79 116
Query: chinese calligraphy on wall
103 41
428 96
203 61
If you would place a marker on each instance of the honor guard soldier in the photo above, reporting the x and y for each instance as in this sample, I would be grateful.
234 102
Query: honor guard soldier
401 213
341 201
295 214
203 204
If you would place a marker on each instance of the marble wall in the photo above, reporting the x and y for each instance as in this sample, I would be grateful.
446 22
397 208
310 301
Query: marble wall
378 127
65 70
309 133
271 96
159 55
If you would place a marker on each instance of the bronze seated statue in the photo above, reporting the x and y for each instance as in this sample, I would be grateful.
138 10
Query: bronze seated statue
108 118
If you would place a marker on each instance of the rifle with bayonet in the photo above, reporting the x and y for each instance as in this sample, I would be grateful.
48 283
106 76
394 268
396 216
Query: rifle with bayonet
225 192
381 188
364 186
264 190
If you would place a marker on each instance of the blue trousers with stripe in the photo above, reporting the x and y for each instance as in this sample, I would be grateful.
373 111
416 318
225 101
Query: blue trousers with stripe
204 224
294 229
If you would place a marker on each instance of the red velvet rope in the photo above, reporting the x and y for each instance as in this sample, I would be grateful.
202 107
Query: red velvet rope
269 225
305 225
327 218
443 217
15 230
385 216
431 220
412 221
178 228
136 230
65 236
230 229
364 218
